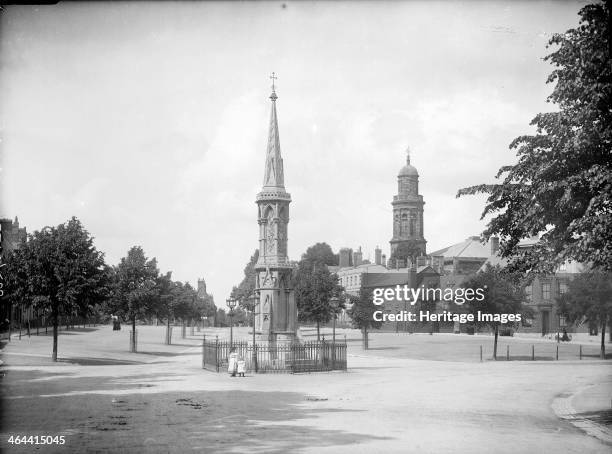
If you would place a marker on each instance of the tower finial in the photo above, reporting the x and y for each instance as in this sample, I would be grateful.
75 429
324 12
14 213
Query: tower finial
273 95
408 155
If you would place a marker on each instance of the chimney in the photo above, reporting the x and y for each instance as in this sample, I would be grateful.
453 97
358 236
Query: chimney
494 245
345 254
377 255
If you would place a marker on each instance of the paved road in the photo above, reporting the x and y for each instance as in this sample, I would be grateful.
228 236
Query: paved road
104 399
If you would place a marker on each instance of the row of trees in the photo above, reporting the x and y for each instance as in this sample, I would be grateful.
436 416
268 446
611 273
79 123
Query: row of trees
59 272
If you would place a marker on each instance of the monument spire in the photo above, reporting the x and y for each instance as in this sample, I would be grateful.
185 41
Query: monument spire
277 310
273 176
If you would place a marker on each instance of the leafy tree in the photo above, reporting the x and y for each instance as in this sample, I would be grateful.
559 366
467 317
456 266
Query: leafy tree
185 300
320 253
589 299
405 251
135 289
59 271
362 314
247 285
164 299
561 186
503 294
221 318
314 289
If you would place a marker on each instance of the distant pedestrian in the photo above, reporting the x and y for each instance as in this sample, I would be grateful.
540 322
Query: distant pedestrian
116 323
232 362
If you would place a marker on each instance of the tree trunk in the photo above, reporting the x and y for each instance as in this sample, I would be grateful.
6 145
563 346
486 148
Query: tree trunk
318 337
602 351
10 321
168 335
495 342
364 338
55 327
134 334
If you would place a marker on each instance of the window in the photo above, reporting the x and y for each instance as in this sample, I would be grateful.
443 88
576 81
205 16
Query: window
528 292
562 322
563 267
562 288
546 291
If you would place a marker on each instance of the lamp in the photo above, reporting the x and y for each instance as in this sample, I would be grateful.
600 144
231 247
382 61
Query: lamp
231 304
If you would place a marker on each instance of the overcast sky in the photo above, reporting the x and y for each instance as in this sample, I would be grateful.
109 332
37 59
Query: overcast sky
148 121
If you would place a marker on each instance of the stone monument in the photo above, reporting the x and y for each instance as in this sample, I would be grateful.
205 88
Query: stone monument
276 318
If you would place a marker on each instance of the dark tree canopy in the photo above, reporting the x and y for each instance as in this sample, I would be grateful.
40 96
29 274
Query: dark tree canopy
589 300
315 287
561 187
59 271
320 253
362 310
136 294
247 285
503 294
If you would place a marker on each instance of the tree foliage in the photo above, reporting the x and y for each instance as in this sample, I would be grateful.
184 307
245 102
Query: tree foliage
321 254
503 294
561 187
315 287
59 271
135 295
589 300
247 285
362 313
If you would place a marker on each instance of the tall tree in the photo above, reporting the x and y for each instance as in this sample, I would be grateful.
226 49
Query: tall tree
314 289
165 300
503 295
561 187
135 290
60 271
247 285
589 300
362 314
320 253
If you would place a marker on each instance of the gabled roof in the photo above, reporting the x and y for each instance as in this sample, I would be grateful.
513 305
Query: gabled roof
426 269
471 247
385 279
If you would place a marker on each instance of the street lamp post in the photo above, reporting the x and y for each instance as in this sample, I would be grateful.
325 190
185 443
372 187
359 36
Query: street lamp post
334 303
231 303
253 300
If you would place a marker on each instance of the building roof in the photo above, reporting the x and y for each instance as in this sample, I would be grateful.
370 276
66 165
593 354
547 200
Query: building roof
386 279
363 268
471 247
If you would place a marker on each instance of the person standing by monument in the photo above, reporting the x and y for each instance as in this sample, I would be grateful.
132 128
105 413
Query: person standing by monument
232 362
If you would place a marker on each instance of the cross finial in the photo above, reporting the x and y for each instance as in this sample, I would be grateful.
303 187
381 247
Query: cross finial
408 155
273 77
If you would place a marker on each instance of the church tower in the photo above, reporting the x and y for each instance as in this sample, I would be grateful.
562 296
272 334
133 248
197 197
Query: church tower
408 212
277 311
